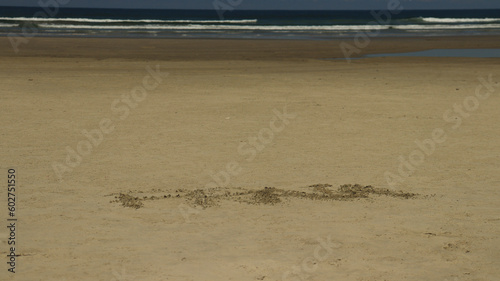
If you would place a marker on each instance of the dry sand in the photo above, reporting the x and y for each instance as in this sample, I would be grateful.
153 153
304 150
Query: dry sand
347 124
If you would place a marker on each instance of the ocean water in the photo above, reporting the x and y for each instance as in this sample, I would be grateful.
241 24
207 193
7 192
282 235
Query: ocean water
316 25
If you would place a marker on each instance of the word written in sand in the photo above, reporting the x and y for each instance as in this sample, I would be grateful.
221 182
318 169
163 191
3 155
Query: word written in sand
213 197
11 221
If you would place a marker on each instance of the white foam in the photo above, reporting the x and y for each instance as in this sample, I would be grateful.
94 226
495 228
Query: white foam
222 27
460 20
274 27
446 26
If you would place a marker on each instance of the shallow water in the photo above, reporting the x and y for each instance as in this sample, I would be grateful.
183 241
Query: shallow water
460 53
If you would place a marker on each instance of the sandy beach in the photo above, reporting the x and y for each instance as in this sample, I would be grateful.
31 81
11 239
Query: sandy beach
153 160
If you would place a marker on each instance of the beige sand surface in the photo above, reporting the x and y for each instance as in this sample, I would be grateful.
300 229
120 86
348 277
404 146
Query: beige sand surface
349 124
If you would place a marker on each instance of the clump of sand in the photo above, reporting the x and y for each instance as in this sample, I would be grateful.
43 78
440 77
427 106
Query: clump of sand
129 201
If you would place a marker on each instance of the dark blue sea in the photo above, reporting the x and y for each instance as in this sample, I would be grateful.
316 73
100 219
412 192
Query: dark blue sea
234 23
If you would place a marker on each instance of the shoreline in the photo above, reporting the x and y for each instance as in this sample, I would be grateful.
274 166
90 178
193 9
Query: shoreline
229 49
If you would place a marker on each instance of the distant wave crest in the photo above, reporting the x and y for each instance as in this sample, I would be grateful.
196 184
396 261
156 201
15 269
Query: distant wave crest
275 27
162 25
460 20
